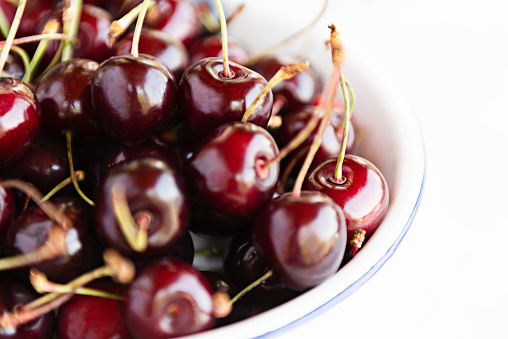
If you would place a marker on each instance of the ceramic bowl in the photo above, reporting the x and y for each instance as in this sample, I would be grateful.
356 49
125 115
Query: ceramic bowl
391 139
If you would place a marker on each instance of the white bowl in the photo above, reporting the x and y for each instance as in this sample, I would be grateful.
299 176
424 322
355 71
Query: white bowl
391 140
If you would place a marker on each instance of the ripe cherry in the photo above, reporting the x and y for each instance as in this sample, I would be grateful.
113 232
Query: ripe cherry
20 119
65 98
6 209
302 239
133 97
227 173
143 198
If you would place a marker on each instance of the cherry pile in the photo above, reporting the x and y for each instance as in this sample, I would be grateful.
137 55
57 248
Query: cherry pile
131 129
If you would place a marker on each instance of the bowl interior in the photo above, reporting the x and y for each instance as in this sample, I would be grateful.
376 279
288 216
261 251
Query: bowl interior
390 138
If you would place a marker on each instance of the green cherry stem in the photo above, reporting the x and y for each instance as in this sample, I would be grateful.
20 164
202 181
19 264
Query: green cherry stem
12 33
80 176
253 285
224 35
74 177
337 176
71 18
139 26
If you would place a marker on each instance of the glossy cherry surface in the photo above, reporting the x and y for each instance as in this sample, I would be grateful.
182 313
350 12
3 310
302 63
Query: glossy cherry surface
364 195
299 90
14 294
208 99
64 95
152 188
160 45
20 119
29 231
167 299
133 97
225 173
89 317
302 239
44 165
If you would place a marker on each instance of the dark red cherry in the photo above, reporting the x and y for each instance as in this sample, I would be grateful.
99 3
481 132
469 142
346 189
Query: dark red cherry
34 13
176 17
9 10
7 208
208 99
154 192
20 119
227 173
44 165
167 299
331 143
297 91
65 98
92 40
30 230
302 239
243 265
160 45
15 294
363 196
14 66
133 97
211 46
90 317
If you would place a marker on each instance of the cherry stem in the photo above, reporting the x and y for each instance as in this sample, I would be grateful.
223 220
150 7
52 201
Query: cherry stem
208 19
293 36
337 176
19 316
135 234
210 251
284 177
4 23
356 242
137 30
253 285
54 247
48 207
284 73
38 37
43 285
80 176
71 18
118 27
68 135
53 62
12 33
224 35
329 94
274 122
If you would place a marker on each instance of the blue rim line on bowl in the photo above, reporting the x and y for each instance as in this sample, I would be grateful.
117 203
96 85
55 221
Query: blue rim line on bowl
363 279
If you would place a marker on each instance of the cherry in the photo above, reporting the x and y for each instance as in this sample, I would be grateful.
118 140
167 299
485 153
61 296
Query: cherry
31 229
302 238
160 45
143 198
65 99
44 165
208 99
227 173
168 298
133 97
20 119
91 317
14 294
362 193
6 210
176 17
92 36
35 12
14 66
296 92
211 46
243 264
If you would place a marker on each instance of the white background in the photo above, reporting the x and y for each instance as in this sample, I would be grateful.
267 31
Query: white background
448 277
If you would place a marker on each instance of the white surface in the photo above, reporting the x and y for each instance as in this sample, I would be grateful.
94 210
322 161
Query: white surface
448 277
